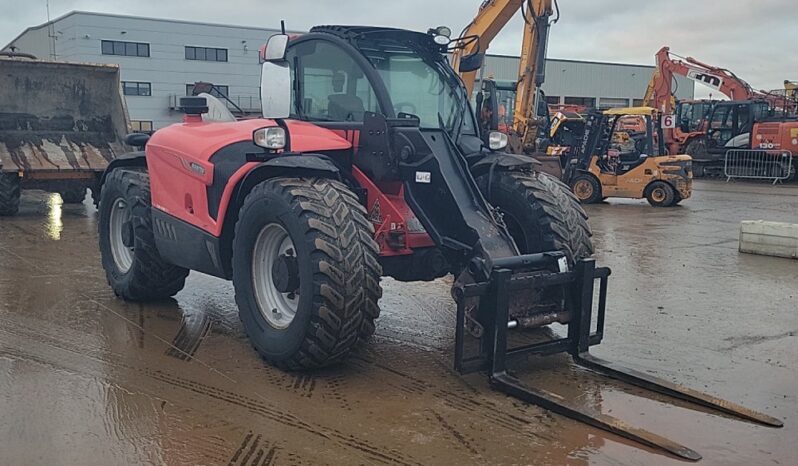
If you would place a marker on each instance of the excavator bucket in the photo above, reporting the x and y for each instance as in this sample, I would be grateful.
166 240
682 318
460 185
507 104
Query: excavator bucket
59 121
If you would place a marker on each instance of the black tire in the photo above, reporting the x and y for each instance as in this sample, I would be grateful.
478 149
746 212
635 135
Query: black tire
9 194
337 269
95 190
73 194
697 149
149 277
661 194
587 189
541 213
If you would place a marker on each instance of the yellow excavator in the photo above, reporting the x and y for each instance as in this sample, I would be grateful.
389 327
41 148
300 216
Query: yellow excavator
791 87
529 111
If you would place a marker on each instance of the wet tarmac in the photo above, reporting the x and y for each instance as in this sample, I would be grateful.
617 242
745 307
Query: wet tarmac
88 379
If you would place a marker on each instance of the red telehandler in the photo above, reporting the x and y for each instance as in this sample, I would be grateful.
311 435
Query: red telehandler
706 129
367 162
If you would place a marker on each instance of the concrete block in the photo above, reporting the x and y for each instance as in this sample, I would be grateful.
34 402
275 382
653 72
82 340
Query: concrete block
769 238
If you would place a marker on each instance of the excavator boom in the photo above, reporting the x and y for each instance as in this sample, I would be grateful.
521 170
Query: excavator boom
493 15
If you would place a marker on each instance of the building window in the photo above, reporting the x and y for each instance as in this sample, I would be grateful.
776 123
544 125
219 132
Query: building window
141 126
583 101
217 90
206 54
136 88
128 49
609 102
638 103
552 99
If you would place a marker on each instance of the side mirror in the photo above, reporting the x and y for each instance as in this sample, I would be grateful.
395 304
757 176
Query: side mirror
471 62
137 139
275 47
275 78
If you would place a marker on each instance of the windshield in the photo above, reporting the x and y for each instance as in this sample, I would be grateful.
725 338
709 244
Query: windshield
421 85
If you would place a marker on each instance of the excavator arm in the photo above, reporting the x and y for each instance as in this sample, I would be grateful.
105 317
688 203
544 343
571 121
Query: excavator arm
660 92
493 15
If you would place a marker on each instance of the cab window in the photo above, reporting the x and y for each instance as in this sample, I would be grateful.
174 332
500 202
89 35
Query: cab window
328 84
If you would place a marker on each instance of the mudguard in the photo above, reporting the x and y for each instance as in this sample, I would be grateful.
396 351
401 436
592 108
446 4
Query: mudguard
130 159
503 161
318 165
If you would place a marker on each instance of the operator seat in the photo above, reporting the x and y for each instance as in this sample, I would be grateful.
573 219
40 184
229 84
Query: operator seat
345 107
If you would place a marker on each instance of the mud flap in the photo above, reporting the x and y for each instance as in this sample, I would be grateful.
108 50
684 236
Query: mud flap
550 165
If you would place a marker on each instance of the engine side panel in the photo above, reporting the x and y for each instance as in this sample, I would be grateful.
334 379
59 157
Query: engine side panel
776 135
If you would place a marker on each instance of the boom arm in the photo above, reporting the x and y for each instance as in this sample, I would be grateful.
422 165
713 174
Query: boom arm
660 89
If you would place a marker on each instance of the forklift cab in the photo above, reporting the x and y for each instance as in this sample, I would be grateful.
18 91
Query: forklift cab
620 150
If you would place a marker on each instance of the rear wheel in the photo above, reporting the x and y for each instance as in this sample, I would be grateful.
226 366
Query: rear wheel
541 213
305 271
73 194
587 189
9 194
661 194
133 266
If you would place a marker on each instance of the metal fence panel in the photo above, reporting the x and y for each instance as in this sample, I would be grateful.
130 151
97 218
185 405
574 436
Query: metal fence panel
760 164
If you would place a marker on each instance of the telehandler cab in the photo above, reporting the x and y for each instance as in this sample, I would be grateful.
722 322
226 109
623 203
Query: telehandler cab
367 161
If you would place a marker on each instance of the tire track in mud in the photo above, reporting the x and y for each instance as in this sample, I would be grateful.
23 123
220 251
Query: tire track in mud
456 398
460 437
462 398
375 453
252 453
193 329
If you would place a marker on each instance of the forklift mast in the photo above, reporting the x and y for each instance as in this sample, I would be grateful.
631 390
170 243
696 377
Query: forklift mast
594 133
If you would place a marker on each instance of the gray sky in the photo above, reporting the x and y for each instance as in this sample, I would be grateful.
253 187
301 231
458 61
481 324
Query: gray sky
748 37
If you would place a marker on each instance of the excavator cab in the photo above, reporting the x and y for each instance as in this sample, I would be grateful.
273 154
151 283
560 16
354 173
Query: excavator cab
614 161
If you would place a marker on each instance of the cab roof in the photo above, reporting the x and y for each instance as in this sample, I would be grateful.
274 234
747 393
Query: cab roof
642 111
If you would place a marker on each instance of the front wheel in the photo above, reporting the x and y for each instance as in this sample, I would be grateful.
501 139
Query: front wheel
541 213
661 194
587 189
305 271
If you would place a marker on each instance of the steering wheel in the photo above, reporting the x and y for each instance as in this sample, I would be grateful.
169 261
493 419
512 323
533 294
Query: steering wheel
399 107
640 146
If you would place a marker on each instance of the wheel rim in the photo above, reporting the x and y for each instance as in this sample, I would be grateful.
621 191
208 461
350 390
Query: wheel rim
658 194
118 223
583 189
278 308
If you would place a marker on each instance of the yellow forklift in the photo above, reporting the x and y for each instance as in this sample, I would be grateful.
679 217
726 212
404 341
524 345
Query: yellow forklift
610 160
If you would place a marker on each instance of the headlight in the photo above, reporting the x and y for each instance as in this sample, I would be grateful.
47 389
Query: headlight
270 138
497 140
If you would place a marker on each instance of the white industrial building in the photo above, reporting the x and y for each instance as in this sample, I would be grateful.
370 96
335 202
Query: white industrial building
160 59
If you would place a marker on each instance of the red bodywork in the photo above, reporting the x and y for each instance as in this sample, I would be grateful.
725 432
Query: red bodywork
180 167
776 135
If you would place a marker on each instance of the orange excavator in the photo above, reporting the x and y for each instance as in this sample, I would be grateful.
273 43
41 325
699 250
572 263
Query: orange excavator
706 129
